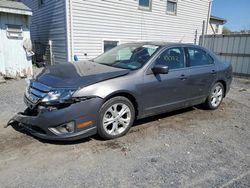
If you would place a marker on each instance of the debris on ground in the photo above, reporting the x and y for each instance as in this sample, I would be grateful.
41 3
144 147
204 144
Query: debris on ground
242 89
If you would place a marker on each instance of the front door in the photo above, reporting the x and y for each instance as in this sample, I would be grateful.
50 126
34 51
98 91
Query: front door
163 92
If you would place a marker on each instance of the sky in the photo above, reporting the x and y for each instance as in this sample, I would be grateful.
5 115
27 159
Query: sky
236 12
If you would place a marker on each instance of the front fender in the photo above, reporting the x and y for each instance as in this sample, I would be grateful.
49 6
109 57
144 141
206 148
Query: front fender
104 89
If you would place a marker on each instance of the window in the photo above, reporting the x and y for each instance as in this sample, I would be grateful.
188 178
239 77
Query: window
14 31
198 57
40 3
145 4
173 58
172 7
108 45
127 56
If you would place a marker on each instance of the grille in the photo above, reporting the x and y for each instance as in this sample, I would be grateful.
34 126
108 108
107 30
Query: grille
35 93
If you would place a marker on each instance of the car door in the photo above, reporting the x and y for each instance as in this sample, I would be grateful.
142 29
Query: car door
202 72
163 92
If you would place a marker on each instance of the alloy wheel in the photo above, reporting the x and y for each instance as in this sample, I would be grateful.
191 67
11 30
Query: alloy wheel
116 119
217 95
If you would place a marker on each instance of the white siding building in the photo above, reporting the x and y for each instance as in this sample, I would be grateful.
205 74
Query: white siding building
216 25
15 44
87 28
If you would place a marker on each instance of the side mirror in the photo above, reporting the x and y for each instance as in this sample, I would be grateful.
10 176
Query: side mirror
160 69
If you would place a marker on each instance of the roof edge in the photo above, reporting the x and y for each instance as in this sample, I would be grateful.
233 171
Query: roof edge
218 19
16 11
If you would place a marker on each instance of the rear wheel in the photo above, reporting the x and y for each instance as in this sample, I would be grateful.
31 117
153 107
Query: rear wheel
116 117
215 97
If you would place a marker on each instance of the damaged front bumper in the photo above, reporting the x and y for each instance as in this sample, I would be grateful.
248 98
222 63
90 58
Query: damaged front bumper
51 123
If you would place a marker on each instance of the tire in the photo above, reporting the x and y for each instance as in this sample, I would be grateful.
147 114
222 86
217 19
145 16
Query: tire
116 116
215 97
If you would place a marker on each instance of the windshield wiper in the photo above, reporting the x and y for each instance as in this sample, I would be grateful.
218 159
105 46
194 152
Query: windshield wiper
105 64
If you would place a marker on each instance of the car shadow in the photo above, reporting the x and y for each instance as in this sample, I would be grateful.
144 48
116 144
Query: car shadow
96 137
162 116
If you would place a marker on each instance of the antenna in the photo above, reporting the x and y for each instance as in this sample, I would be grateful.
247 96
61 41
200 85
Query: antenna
182 39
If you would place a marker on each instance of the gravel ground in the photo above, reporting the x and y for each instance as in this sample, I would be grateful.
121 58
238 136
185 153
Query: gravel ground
185 148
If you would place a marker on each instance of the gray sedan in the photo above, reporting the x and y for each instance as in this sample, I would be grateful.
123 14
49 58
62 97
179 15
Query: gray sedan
131 81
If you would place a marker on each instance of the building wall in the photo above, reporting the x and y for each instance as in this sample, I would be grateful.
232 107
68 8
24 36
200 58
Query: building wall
93 21
49 23
2 64
212 28
13 58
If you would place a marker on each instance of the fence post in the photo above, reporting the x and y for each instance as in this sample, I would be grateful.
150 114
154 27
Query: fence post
203 33
50 52
195 36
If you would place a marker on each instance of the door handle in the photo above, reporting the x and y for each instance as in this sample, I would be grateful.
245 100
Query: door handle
182 77
213 72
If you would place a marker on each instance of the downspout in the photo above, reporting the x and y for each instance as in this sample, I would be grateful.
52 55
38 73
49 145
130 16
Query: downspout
66 10
208 14
71 31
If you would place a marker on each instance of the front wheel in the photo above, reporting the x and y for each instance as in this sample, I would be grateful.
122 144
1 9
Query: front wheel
116 116
215 97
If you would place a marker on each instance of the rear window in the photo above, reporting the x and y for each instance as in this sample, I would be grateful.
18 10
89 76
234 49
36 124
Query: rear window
198 57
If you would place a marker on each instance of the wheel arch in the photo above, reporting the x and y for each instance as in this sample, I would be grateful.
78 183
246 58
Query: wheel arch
127 95
224 85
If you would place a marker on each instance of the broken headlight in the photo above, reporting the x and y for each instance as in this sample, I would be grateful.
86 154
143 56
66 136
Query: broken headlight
59 96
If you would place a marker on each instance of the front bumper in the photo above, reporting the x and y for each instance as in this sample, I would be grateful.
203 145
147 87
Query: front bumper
39 124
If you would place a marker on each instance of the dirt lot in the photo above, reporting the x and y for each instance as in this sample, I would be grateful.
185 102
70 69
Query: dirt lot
187 148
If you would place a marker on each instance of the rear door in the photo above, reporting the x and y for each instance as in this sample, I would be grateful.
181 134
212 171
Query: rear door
202 72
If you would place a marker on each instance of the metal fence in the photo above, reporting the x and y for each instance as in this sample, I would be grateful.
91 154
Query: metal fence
234 48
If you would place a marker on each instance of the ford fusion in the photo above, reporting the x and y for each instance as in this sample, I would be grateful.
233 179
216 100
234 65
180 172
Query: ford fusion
131 81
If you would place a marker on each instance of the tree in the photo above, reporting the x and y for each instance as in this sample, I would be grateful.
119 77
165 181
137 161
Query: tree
226 30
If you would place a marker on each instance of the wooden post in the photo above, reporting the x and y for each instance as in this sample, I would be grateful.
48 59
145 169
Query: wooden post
195 36
203 33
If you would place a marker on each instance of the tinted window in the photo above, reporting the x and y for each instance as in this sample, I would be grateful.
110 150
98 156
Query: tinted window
199 57
173 58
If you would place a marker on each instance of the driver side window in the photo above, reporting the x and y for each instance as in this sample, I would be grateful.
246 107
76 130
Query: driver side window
173 58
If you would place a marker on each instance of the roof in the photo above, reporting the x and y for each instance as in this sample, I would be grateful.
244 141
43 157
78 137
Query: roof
14 7
154 43
161 43
218 19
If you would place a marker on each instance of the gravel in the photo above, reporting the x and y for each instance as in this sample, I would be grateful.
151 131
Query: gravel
185 148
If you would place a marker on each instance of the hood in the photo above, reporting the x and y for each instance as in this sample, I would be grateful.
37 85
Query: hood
78 74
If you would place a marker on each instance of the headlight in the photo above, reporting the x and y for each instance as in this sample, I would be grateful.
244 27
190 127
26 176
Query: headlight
60 95
28 83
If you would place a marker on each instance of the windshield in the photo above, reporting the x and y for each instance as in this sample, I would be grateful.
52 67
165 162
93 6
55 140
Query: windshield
127 56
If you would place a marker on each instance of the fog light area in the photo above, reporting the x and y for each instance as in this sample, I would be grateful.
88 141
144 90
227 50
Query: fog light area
64 129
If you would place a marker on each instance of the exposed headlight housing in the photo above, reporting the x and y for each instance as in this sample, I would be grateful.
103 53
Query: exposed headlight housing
58 96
